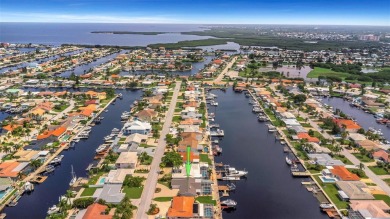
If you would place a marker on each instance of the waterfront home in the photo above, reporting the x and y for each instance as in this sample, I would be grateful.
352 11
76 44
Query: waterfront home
9 128
11 169
342 174
111 193
185 207
53 135
118 176
307 137
26 155
367 144
97 95
368 209
197 183
127 160
356 137
193 143
381 155
94 211
325 160
191 121
353 190
146 115
136 138
190 112
5 183
347 125
137 126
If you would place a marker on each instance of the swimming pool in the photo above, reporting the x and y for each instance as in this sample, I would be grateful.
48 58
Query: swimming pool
327 180
101 181
4 192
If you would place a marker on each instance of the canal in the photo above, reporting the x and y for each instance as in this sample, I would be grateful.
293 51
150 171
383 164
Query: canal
364 119
269 190
47 194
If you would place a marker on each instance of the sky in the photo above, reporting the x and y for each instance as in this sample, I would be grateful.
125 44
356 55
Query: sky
340 12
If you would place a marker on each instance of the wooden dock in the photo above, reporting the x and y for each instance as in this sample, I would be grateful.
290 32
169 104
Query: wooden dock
301 174
38 179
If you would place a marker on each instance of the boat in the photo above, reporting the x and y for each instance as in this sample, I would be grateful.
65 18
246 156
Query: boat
214 103
28 187
57 160
53 209
49 168
228 203
326 205
74 178
232 172
217 133
115 131
231 186
288 161
101 148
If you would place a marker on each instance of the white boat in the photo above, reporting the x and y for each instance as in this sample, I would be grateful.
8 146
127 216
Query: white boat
28 187
74 178
231 178
53 209
49 168
214 103
326 205
288 161
100 148
232 172
229 203
56 160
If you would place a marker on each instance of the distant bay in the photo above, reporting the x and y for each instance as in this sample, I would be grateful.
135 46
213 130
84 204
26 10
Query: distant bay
77 33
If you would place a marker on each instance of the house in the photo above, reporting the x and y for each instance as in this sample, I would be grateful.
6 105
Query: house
14 92
111 193
308 137
353 190
96 95
325 160
341 173
190 112
381 155
369 209
94 211
127 160
52 134
118 176
347 125
5 183
367 144
146 115
196 184
26 155
11 169
9 128
137 126
184 207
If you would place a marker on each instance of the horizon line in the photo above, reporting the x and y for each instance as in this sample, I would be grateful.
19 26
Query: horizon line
61 22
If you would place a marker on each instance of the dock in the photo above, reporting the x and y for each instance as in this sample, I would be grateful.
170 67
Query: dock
301 174
225 190
38 179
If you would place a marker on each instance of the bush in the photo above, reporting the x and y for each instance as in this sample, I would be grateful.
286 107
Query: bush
83 202
133 181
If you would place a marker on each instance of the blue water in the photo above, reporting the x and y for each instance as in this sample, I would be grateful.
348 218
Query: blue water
59 33
35 205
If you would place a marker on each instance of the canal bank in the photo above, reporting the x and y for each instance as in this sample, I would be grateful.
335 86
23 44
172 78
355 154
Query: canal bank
364 119
46 194
269 191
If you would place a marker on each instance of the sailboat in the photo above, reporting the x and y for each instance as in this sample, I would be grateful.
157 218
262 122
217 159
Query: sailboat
74 178
288 161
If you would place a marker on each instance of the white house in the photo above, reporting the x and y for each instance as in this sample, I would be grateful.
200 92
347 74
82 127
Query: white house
137 126
127 160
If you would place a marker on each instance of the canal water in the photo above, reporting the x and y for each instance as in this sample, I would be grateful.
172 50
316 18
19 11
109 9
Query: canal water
79 70
3 115
39 61
364 119
47 194
269 190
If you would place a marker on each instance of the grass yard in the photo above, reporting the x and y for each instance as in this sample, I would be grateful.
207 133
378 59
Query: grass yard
387 181
385 198
206 200
378 170
205 158
88 191
331 191
343 159
163 199
176 119
133 192
316 72
363 158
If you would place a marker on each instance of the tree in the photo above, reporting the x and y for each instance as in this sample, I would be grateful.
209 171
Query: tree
299 98
172 159
35 164
83 202
133 181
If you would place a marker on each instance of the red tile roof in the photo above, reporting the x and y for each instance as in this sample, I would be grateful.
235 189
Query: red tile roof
344 174
96 211
182 206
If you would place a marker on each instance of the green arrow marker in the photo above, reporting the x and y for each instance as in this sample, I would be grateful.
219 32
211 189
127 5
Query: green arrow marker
188 163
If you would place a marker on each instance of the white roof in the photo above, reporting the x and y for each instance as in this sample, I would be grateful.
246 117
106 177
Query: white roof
127 157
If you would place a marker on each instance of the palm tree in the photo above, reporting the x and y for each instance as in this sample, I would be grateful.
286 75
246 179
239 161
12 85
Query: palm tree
35 164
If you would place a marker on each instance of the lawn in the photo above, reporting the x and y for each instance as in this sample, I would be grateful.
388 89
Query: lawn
60 108
88 191
206 200
363 158
93 180
387 181
331 191
385 198
133 192
342 158
176 119
205 158
163 199
378 170
326 72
